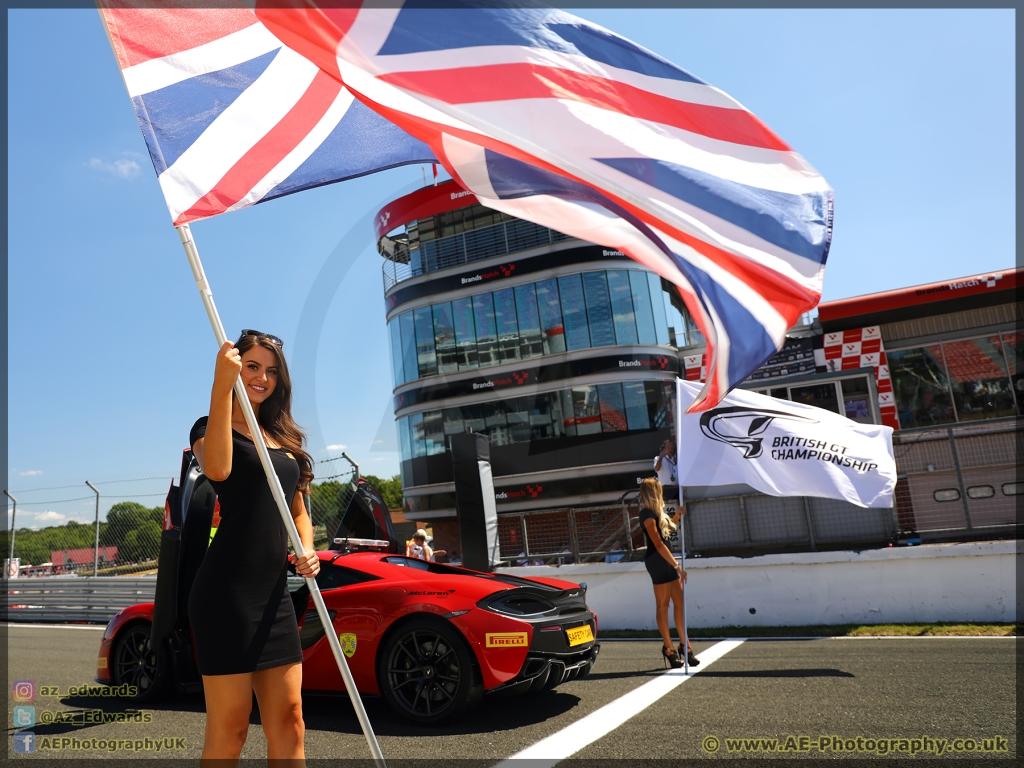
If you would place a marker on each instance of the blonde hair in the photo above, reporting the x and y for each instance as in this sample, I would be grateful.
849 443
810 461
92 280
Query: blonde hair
651 497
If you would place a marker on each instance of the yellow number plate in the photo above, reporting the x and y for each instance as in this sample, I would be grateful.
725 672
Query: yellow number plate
580 635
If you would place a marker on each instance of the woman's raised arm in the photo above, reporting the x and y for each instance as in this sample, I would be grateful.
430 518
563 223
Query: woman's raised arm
214 454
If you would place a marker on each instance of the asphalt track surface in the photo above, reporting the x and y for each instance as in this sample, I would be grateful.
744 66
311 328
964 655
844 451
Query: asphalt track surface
628 709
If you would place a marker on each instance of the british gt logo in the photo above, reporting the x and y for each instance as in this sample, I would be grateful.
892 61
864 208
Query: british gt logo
506 640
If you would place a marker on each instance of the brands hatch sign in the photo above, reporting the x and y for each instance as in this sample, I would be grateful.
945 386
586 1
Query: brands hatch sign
784 449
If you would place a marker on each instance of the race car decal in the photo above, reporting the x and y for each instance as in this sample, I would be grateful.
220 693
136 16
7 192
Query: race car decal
348 643
506 639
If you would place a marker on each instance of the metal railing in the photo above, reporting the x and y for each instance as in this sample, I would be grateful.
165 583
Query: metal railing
501 239
961 480
94 599
719 526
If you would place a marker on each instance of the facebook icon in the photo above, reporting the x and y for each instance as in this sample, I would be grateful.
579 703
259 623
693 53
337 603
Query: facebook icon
25 741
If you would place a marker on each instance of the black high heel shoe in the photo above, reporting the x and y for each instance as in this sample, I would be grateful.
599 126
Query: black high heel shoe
671 658
691 660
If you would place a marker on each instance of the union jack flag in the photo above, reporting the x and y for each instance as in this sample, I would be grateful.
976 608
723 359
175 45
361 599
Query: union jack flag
551 119
558 121
232 117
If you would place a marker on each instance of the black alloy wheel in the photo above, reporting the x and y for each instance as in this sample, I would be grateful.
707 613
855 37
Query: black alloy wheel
132 663
426 672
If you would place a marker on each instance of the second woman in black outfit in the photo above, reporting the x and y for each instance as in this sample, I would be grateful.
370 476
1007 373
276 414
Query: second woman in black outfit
243 622
666 574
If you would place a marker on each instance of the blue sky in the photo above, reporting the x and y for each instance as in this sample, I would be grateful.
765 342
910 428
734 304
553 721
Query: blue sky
908 114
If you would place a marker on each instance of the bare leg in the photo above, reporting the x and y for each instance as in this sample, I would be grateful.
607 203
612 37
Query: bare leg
228 706
676 588
662 595
279 693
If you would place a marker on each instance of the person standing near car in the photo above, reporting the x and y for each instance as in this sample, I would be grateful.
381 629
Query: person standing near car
418 547
242 617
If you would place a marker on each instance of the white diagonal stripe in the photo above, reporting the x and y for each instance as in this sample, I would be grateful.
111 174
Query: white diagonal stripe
596 725
249 118
227 51
302 151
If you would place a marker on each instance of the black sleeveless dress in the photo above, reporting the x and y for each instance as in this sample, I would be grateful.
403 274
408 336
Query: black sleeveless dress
242 616
657 566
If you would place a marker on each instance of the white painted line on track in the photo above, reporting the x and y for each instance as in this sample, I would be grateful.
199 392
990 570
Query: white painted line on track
56 626
589 729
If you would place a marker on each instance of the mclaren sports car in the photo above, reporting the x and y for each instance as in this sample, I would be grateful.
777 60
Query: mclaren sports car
431 638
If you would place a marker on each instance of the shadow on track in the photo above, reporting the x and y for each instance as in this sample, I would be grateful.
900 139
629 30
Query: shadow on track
334 714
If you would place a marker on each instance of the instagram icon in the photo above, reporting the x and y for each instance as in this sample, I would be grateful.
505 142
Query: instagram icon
24 690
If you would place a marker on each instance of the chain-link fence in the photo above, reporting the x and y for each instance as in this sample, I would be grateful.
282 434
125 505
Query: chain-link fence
112 526
102 526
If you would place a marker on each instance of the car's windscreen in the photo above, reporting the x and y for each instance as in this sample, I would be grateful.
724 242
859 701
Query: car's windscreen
332 576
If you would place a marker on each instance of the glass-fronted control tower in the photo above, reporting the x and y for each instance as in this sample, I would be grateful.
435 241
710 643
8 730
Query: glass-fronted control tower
562 352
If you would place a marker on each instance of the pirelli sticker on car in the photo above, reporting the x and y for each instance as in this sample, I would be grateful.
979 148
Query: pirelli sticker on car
506 640
348 643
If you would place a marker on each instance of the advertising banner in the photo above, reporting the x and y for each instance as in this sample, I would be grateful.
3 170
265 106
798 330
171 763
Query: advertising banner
783 448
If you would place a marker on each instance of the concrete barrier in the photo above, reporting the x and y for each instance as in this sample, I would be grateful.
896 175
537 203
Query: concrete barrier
971 582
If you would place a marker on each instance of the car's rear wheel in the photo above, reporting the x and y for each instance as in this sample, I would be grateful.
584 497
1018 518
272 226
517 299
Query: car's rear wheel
134 663
426 671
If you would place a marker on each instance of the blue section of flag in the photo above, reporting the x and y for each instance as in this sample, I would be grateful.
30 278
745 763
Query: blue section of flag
795 223
749 342
423 26
172 118
362 142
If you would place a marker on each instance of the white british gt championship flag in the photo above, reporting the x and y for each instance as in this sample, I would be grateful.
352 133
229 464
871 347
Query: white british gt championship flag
783 448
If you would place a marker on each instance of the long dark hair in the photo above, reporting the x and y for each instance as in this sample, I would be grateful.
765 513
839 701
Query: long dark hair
275 414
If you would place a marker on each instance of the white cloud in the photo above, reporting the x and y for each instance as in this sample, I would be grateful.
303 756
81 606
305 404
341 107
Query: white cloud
31 472
122 169
51 517
337 447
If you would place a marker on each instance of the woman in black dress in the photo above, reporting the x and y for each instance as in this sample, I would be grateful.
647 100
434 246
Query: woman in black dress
666 574
243 622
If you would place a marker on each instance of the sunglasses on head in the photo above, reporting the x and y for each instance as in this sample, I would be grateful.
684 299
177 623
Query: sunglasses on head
260 334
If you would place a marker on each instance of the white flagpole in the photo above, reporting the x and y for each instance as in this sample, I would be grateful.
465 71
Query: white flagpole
682 527
278 493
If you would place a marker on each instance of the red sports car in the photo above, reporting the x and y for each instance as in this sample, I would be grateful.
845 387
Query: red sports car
430 638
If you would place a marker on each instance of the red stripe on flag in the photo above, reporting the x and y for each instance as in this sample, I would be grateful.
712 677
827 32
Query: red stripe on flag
268 151
142 30
504 82
310 32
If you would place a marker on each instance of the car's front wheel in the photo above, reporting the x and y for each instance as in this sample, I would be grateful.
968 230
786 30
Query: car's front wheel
426 671
134 663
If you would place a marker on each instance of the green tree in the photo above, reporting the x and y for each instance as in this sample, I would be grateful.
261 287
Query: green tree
141 543
125 517
326 500
390 490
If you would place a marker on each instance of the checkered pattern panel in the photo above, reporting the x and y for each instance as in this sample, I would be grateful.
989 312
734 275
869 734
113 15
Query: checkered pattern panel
844 351
860 348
